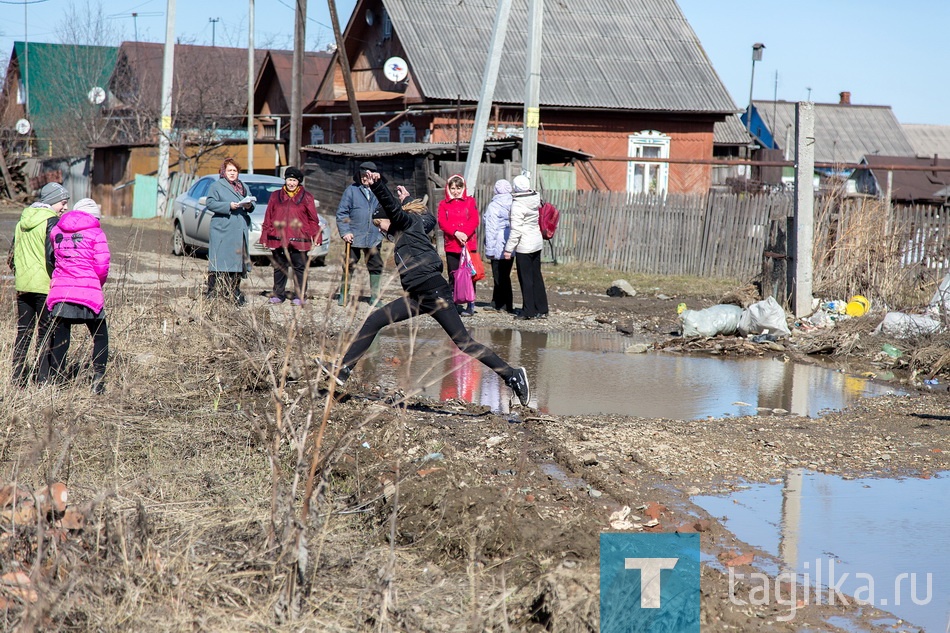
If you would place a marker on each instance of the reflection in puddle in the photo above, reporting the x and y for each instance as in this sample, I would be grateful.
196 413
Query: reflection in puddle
580 373
880 540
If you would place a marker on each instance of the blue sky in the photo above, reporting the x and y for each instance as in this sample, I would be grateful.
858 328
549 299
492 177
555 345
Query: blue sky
883 52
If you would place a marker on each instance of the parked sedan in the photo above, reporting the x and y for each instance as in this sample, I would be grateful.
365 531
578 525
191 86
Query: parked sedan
191 218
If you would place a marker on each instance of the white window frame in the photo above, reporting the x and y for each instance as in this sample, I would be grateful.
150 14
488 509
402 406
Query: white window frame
382 134
648 177
407 132
317 136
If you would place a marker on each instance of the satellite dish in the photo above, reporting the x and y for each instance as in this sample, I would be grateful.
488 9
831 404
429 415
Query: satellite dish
395 69
97 95
23 126
370 18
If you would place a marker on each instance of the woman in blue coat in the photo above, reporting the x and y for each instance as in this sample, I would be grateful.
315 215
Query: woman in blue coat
229 260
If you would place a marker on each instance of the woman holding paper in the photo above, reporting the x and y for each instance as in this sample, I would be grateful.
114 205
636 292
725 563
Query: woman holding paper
228 258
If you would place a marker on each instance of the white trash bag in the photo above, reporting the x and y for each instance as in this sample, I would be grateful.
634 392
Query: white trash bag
761 316
719 319
902 325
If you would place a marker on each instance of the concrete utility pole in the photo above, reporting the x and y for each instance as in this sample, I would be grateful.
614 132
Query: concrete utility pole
250 88
300 39
347 78
803 230
165 125
532 113
489 79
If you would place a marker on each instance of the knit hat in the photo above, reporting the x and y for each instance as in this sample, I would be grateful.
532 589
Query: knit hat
521 183
53 192
88 205
293 172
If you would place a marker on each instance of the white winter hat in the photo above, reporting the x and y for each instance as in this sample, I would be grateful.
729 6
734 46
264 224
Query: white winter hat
521 183
88 205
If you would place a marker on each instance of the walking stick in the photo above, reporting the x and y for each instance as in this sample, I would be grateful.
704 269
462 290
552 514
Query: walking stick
346 271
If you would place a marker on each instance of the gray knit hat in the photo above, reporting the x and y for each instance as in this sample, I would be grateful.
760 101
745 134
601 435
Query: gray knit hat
53 192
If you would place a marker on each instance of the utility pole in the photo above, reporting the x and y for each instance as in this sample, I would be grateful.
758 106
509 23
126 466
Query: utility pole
300 39
532 111
489 78
214 22
347 78
165 126
135 25
803 230
250 88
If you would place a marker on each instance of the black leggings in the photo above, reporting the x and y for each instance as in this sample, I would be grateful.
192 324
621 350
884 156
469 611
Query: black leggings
283 265
31 314
452 263
438 304
100 344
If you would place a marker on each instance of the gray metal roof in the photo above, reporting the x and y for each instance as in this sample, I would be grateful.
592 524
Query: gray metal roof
928 140
616 54
730 132
843 133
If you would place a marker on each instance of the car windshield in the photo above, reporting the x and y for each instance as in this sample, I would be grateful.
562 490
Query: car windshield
262 190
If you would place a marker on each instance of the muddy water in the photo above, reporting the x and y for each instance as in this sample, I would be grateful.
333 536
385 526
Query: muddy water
578 373
884 541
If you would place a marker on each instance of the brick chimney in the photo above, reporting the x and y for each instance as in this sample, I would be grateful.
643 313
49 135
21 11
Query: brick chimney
845 98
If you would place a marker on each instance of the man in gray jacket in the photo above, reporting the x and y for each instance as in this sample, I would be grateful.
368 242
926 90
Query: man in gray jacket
354 221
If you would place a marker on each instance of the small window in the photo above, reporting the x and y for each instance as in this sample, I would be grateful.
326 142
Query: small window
352 134
316 135
648 177
387 25
382 133
407 132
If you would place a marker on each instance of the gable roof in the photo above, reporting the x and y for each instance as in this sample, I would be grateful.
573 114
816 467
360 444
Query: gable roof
604 54
730 132
60 76
315 65
912 186
929 140
843 133
206 77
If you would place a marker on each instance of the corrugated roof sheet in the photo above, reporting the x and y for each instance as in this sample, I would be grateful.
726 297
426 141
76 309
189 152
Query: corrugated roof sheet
911 186
928 140
730 132
843 133
616 54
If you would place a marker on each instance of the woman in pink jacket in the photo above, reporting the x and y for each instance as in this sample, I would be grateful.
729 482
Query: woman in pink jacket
80 260
458 219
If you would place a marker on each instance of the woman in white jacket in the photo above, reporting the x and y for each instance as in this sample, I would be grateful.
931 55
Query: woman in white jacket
497 222
525 243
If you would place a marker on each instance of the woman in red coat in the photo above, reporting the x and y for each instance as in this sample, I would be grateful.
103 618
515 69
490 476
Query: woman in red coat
458 219
290 228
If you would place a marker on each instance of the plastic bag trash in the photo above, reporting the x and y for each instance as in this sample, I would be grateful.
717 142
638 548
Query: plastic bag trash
763 316
901 325
940 302
719 319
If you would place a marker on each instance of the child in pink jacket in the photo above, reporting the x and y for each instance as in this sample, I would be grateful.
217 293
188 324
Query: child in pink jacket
80 258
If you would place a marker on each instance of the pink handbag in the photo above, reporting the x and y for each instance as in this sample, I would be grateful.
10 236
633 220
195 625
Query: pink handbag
464 288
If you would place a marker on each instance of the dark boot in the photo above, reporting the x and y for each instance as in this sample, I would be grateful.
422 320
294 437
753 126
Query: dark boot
212 286
236 295
374 282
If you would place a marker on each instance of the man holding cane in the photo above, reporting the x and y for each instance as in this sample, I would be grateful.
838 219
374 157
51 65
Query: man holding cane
354 221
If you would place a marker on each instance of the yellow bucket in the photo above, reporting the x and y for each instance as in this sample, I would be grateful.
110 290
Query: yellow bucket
857 306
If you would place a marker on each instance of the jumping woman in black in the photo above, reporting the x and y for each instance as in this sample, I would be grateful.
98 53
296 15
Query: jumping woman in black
427 291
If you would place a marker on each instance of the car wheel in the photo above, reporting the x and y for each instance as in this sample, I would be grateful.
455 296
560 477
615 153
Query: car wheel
319 261
178 241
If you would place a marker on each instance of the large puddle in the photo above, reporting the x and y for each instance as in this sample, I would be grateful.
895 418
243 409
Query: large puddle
580 373
883 541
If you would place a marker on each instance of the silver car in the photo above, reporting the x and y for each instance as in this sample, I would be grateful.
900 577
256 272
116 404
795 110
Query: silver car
191 218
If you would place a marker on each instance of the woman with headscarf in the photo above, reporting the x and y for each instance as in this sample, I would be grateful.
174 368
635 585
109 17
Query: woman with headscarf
229 260
290 228
525 244
458 219
497 230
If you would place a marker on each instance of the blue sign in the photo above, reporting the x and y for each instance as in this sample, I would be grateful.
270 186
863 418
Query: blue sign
649 583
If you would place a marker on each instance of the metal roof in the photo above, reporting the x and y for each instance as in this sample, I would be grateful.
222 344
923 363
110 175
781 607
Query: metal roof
843 133
911 186
613 54
928 140
369 150
730 132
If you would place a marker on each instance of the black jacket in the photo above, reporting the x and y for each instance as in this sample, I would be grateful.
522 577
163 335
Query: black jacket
418 263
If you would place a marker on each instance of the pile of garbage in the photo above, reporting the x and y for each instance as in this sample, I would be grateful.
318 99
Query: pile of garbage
765 319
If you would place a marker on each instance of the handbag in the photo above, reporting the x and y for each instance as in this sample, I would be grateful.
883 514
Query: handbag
479 267
464 291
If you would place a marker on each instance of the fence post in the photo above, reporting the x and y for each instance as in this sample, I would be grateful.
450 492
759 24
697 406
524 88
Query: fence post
802 236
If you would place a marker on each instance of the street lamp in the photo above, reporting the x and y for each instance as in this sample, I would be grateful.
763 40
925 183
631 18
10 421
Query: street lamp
757 49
